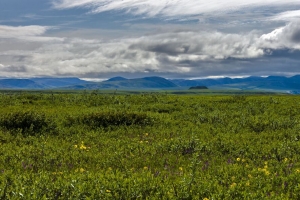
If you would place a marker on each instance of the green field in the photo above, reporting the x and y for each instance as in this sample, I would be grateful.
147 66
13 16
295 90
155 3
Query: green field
93 145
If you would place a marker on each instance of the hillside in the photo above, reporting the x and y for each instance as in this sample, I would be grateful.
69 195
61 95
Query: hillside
19 84
58 82
249 83
274 83
138 83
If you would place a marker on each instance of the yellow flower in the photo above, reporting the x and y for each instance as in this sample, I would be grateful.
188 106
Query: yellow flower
109 169
249 175
81 170
266 163
75 146
146 134
266 166
298 170
233 185
259 169
145 168
108 191
82 147
285 159
247 183
180 168
267 173
206 198
238 159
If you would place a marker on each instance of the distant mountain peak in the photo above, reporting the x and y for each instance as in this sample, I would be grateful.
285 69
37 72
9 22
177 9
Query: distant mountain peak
117 78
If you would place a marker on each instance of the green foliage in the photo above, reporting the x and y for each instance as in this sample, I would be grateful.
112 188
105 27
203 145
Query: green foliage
27 122
148 146
107 119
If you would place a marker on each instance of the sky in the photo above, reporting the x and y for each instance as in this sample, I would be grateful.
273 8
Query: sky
99 39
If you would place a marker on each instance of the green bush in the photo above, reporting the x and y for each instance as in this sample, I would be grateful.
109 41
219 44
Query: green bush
107 119
27 122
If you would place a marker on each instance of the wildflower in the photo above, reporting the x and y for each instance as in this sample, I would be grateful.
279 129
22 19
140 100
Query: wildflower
233 185
206 198
145 168
267 173
266 163
146 134
259 169
75 146
238 159
180 168
285 159
82 147
108 191
247 183
249 175
109 169
141 142
81 170
298 170
266 166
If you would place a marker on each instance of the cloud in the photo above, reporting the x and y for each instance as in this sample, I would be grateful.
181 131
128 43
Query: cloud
30 33
14 69
13 32
200 45
287 16
170 8
285 37
184 53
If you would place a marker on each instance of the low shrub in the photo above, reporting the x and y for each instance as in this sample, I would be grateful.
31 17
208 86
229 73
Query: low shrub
107 119
27 122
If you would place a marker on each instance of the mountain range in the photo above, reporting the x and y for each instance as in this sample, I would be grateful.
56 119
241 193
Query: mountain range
279 83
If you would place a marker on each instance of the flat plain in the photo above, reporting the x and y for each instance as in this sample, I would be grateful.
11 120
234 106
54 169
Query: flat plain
151 145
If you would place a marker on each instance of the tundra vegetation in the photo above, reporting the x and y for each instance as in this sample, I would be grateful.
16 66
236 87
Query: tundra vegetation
149 146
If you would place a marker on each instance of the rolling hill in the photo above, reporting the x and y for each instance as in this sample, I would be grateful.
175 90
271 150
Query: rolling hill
278 83
249 83
138 83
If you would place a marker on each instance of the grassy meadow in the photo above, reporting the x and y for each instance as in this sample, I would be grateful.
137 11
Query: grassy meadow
90 145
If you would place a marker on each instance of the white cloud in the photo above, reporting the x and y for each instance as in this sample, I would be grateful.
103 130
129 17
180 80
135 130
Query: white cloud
285 37
171 8
287 16
12 32
185 52
30 33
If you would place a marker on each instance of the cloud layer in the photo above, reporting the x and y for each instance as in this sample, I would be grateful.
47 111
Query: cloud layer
171 8
184 53
14 32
